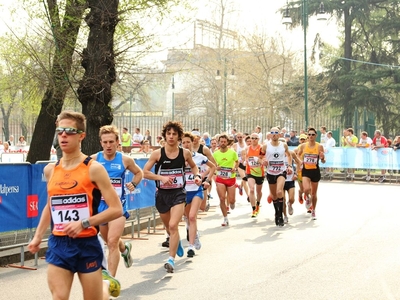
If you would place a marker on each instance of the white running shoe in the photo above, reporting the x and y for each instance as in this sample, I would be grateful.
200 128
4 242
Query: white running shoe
225 223
290 208
313 216
286 219
308 202
197 244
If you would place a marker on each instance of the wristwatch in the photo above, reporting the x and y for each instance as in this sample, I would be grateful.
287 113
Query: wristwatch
85 223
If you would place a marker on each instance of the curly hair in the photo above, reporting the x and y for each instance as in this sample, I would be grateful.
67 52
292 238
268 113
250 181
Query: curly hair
175 126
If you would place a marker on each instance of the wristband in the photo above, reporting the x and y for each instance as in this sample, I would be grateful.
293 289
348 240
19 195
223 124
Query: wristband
134 184
198 175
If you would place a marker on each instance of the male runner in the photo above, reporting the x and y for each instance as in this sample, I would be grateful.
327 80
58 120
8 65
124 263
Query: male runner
227 164
74 186
116 165
170 162
276 171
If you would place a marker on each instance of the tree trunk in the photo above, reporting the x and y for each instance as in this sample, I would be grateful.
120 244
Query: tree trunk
65 35
99 64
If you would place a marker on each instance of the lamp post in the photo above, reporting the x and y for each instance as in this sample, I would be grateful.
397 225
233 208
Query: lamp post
173 97
225 76
287 20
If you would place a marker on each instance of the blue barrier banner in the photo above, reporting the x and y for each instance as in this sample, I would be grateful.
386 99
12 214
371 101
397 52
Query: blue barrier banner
381 158
396 160
361 158
144 194
14 190
39 188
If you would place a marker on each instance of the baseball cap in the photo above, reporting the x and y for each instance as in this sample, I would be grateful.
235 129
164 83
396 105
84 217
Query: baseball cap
302 137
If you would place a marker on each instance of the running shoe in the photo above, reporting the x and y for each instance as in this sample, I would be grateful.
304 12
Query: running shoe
207 208
300 198
114 287
197 244
281 223
232 205
180 250
190 252
166 243
313 216
290 208
240 190
285 219
169 266
128 260
254 214
308 202
227 210
269 199
257 209
225 223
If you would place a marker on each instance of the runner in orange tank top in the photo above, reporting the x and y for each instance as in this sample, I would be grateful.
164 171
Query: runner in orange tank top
74 185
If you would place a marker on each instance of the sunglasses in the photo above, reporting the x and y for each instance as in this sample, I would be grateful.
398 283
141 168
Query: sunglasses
274 132
254 138
239 137
311 134
68 130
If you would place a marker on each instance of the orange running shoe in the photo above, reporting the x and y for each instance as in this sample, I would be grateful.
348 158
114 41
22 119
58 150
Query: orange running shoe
301 201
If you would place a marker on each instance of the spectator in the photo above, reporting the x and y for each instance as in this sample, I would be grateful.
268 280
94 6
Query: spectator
146 147
126 140
6 148
207 140
11 141
365 141
147 137
293 139
258 131
379 141
349 141
329 143
137 137
234 133
159 138
21 141
323 136
396 143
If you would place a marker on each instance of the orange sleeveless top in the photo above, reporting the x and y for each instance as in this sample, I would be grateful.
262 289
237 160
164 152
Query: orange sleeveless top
72 197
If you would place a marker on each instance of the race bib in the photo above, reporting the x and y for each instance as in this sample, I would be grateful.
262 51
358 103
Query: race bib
177 179
225 173
254 162
310 159
276 167
68 208
117 184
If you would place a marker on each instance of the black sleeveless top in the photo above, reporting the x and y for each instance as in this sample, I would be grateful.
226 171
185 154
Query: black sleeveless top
173 168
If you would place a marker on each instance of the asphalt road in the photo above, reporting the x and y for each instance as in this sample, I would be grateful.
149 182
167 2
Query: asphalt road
352 251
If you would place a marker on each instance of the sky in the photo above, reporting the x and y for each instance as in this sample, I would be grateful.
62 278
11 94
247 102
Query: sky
246 15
